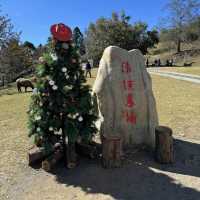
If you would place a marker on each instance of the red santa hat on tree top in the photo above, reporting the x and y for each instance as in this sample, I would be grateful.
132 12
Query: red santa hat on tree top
61 32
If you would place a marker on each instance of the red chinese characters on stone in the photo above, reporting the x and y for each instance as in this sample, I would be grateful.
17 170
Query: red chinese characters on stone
130 101
128 84
130 117
126 68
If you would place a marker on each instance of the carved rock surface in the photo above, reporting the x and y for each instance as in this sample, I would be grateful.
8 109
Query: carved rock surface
125 99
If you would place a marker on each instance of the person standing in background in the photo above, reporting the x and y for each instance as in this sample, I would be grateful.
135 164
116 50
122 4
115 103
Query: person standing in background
159 62
147 62
88 69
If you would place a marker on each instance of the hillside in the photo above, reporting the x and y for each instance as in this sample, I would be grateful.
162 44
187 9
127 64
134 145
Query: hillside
190 54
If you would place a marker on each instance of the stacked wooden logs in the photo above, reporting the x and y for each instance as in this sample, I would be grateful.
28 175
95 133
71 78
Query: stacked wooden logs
110 150
48 160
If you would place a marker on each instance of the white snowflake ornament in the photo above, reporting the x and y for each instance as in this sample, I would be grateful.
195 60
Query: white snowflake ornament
54 57
70 115
37 118
55 87
50 128
64 69
80 119
58 132
51 82
66 76
74 116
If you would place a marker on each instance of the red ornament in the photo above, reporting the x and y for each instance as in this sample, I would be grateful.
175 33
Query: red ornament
61 32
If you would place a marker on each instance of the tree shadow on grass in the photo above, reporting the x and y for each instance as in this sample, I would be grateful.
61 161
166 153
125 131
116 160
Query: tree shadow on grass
136 180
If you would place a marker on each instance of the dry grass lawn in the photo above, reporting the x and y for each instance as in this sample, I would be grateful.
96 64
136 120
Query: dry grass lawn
177 103
187 70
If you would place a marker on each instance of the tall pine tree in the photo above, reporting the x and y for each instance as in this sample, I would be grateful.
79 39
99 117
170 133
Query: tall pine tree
61 105
79 41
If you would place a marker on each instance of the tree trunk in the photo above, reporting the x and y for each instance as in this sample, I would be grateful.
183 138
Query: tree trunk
111 152
164 145
64 140
179 46
71 155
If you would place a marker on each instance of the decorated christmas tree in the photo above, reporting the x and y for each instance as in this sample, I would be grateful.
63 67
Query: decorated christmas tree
61 106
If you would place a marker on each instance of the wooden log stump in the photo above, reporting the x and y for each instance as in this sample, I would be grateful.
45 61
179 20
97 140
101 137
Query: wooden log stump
111 151
50 162
71 156
164 145
37 154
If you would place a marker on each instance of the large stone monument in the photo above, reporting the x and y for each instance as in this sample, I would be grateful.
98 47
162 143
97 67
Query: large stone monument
126 103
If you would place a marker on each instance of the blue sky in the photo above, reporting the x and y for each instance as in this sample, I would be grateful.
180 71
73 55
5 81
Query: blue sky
34 17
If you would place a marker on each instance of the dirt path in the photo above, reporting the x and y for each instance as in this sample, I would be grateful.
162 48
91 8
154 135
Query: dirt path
176 75
140 178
